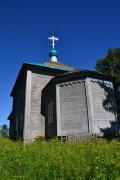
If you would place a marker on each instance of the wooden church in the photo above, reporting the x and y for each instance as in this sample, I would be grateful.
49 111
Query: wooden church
55 100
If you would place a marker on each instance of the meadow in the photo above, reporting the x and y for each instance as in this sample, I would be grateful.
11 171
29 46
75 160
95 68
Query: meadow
55 160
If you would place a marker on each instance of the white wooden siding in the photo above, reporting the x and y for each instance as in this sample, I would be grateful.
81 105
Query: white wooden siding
104 113
73 108
37 122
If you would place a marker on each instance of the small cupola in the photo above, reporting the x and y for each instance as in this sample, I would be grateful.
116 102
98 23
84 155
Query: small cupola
53 54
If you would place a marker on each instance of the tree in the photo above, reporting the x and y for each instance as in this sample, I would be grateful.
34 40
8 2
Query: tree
0 132
111 66
4 130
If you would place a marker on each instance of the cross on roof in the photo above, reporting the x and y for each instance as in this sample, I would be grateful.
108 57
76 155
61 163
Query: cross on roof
53 40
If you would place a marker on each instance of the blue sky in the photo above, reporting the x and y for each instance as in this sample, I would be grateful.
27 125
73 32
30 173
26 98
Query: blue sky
86 30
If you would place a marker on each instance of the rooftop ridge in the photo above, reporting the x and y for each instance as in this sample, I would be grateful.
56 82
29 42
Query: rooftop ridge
58 64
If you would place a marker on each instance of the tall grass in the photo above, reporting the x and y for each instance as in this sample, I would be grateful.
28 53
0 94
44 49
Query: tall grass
55 160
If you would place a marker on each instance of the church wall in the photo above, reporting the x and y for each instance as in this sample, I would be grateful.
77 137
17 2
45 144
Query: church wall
37 121
11 129
17 118
73 109
37 124
50 115
21 103
84 106
26 120
104 107
39 79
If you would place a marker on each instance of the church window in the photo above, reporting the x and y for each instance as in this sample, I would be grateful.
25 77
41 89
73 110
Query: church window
50 111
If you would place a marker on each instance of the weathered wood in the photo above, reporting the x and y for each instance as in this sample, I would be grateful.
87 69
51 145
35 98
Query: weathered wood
37 122
73 109
27 98
27 106
89 105
17 114
82 105
104 107
58 114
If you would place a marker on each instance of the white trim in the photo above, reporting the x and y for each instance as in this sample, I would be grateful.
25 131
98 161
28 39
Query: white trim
71 82
58 111
89 105
27 106
107 83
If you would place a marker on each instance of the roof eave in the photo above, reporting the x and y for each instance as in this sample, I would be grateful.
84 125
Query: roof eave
23 69
25 66
74 75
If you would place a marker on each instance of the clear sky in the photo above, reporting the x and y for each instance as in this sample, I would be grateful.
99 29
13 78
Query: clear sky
86 30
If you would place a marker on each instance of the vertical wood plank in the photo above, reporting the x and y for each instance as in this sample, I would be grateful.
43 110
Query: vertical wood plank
104 107
73 108
27 106
89 105
58 111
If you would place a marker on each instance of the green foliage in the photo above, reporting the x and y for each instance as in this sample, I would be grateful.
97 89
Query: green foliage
4 130
55 160
111 66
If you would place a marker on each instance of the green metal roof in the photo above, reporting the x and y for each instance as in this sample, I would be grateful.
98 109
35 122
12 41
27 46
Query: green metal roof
49 66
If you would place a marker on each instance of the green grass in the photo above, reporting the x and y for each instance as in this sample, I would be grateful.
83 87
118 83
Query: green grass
55 160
